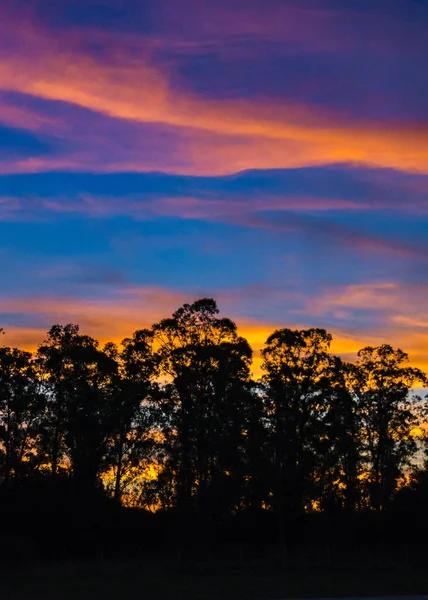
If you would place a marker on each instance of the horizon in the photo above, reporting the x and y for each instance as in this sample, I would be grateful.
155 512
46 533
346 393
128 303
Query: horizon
255 333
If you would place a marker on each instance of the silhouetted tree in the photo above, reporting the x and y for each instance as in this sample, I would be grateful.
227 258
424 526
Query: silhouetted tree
21 411
209 366
382 382
257 455
340 468
79 378
171 421
297 366
133 438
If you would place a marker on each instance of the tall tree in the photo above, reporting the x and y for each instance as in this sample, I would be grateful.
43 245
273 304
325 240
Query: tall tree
208 364
79 378
132 442
382 382
340 468
297 369
21 411
257 456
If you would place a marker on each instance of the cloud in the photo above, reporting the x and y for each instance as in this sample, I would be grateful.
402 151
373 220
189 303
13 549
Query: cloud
322 208
389 309
113 318
314 189
216 136
276 217
314 24
105 318
384 296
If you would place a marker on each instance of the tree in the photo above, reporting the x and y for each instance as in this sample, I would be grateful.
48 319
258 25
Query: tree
382 383
256 451
208 365
297 368
79 379
132 442
21 409
340 469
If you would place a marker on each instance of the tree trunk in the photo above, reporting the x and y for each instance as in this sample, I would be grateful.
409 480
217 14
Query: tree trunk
118 478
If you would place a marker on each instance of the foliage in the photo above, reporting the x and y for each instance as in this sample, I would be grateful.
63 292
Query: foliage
172 420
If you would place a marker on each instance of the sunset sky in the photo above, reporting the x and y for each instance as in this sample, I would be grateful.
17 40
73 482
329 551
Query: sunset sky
272 154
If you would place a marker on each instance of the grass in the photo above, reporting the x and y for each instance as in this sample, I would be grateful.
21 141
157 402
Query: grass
206 581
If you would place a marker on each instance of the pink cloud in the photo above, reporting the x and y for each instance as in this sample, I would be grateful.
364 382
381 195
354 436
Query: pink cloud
214 136
398 305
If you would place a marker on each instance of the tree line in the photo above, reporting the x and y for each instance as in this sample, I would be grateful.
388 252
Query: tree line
171 420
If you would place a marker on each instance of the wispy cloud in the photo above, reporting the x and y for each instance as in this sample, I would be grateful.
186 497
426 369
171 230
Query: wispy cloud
120 314
216 135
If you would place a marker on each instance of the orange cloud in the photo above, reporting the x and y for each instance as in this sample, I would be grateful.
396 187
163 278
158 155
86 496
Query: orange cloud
112 319
219 136
398 301
397 313
105 319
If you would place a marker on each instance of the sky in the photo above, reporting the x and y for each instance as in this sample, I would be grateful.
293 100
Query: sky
272 154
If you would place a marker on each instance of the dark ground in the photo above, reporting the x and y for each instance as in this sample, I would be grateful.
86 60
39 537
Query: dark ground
237 580
50 550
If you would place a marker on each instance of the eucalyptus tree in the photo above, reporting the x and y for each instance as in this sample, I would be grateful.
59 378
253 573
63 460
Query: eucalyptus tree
257 455
341 469
136 429
21 411
206 365
297 369
80 382
382 383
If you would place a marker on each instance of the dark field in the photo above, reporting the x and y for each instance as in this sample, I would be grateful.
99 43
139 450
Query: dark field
208 580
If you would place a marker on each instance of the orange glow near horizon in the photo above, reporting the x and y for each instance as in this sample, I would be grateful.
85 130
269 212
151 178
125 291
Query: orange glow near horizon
113 322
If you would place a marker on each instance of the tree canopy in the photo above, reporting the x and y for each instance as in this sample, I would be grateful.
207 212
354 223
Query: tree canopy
172 419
